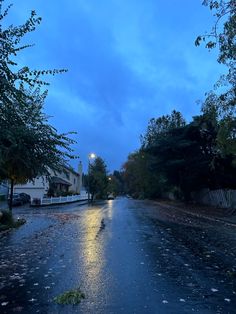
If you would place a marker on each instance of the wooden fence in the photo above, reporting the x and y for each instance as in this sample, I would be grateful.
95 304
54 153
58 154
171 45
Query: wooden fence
59 200
218 198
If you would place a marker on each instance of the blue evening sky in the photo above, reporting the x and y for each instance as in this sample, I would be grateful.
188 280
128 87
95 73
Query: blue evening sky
128 61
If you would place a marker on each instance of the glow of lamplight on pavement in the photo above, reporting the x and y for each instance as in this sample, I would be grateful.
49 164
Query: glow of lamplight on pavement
94 244
92 223
93 249
110 209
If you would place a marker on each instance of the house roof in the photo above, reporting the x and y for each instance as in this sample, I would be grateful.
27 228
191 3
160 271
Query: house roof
58 180
69 168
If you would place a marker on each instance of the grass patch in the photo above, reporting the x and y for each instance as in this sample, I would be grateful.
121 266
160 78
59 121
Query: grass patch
72 297
7 221
231 274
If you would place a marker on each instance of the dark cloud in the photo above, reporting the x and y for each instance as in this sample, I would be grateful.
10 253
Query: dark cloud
128 61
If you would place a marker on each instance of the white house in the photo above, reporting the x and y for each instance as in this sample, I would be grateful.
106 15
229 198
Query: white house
3 190
66 181
36 188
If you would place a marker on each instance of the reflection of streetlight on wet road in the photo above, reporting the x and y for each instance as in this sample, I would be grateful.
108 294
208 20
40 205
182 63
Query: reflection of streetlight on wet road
91 157
92 257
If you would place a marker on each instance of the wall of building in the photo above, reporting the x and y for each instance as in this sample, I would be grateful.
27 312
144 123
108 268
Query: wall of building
74 181
36 189
80 172
73 177
3 190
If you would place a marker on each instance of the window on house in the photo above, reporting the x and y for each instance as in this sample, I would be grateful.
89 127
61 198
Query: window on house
67 175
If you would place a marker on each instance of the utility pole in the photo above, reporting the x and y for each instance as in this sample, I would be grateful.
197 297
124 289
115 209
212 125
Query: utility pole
91 156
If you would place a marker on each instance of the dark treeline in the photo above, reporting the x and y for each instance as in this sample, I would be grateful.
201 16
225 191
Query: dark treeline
99 183
179 157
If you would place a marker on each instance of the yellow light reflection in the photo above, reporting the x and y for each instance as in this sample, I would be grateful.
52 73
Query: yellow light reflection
93 248
110 209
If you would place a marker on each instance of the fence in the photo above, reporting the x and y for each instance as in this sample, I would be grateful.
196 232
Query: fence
59 200
218 198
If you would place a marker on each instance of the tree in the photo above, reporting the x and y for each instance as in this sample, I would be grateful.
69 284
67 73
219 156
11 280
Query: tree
161 125
112 186
10 46
29 146
118 182
181 158
134 173
226 130
223 98
97 179
223 31
190 159
140 179
140 175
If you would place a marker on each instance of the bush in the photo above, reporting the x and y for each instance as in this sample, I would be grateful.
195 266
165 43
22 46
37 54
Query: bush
6 218
2 197
7 221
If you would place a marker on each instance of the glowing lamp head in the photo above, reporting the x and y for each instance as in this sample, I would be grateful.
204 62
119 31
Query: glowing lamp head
92 156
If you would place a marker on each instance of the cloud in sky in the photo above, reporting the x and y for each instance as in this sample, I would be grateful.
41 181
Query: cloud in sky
128 61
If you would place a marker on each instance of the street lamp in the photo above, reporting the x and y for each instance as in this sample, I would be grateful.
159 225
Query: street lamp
91 157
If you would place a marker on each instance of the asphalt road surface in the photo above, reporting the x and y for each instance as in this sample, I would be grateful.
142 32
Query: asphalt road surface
127 256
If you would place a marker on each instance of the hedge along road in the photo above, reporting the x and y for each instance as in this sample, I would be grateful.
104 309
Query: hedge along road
127 256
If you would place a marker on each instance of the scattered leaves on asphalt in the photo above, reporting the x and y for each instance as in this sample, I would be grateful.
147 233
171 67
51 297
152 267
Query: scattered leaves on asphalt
72 297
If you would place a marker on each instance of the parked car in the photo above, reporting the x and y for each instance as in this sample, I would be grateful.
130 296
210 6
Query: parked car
111 197
16 200
25 197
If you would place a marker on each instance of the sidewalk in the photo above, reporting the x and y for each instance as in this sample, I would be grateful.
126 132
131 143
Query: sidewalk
224 215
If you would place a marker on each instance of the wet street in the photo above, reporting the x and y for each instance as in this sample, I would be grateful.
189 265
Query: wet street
127 256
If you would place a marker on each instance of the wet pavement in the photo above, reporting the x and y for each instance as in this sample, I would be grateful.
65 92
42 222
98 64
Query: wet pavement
127 256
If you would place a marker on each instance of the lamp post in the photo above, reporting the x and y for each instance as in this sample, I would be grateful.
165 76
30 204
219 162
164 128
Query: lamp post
91 156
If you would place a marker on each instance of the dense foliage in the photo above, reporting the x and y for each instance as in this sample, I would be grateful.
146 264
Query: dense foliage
223 36
97 180
29 145
11 76
181 158
223 31
116 183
